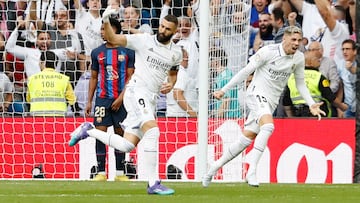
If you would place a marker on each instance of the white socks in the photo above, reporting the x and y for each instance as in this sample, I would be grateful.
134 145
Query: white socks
234 150
113 140
260 144
150 140
151 146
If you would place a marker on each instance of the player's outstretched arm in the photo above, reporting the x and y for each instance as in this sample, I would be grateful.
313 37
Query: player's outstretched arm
115 39
316 111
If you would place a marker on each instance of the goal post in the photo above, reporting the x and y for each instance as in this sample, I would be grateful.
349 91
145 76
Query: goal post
224 41
201 161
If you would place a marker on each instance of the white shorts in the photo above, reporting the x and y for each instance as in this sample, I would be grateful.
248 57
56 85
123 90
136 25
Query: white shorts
140 106
258 106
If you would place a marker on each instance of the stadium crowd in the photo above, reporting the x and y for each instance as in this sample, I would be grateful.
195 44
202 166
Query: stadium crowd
72 29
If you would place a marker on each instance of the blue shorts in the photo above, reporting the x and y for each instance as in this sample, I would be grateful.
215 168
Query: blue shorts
104 116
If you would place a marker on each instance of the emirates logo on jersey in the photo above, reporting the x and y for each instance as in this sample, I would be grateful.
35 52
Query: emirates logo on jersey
121 57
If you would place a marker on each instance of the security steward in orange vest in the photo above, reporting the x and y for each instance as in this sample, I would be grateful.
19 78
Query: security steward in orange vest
49 92
318 86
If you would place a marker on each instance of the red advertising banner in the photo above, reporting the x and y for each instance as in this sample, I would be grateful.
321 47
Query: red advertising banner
299 151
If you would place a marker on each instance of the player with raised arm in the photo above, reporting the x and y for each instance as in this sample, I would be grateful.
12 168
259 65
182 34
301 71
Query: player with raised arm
272 65
156 58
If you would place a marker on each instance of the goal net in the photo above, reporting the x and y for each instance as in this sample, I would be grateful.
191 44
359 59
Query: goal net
228 44
29 143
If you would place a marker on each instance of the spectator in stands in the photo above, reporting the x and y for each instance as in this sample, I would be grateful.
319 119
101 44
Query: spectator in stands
66 5
285 6
183 99
258 7
88 23
6 92
265 34
182 37
30 56
111 64
14 68
65 43
336 30
312 22
347 72
319 87
279 23
228 106
327 66
131 23
49 92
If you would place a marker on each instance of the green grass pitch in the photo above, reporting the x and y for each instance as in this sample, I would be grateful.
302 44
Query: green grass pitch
34 191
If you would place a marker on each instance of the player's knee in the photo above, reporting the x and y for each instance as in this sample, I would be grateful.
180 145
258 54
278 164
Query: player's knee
269 127
150 139
127 146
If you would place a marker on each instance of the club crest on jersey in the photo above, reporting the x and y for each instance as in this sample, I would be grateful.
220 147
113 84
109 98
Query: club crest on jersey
121 57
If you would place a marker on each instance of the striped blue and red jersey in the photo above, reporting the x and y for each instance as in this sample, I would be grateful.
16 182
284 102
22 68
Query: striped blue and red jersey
111 65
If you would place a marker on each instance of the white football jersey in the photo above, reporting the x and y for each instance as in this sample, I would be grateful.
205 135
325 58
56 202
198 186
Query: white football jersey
153 60
273 69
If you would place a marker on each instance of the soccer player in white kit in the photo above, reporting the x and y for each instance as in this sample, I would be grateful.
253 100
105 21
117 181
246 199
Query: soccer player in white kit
156 58
272 65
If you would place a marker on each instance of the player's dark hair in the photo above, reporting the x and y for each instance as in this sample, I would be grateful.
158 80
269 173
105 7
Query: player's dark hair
50 59
115 24
172 18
